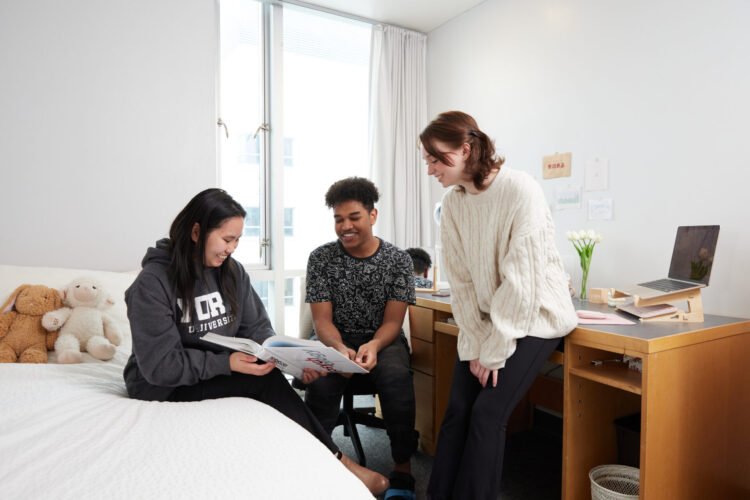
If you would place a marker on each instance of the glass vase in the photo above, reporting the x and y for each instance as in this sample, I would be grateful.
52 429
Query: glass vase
583 295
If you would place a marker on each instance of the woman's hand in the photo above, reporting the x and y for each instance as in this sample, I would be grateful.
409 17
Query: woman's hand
482 373
309 375
248 364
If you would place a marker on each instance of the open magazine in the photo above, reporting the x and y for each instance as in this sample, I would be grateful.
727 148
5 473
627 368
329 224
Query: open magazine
292 355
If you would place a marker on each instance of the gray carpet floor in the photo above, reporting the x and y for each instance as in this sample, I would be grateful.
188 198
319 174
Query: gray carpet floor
533 459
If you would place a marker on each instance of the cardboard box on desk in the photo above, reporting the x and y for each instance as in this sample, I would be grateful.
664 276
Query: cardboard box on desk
598 295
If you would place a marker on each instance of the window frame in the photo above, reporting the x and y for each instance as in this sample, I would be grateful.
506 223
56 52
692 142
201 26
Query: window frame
273 150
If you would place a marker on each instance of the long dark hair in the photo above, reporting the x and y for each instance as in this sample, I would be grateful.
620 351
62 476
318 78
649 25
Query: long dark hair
209 209
455 128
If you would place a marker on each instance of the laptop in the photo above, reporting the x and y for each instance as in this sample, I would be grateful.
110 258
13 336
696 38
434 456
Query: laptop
692 261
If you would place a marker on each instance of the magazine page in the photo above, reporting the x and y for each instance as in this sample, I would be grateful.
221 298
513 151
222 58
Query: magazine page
318 358
292 355
313 354
237 343
285 341
251 347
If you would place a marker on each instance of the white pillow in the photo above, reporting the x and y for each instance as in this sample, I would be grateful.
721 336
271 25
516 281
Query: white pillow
11 277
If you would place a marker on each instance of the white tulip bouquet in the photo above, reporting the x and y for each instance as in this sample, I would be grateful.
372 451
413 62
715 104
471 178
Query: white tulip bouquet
584 242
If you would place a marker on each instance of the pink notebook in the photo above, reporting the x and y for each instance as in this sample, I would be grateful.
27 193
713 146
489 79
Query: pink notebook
648 311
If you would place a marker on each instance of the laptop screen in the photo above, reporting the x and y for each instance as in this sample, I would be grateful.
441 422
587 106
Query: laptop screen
693 254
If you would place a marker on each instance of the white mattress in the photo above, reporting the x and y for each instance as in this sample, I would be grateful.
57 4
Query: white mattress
70 431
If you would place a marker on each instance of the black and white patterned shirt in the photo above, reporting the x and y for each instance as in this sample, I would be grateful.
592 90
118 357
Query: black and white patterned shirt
359 289
422 282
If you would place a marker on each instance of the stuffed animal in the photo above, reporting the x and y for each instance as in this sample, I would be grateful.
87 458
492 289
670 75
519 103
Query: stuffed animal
83 324
22 337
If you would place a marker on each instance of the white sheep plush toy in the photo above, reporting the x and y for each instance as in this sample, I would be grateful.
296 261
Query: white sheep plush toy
83 324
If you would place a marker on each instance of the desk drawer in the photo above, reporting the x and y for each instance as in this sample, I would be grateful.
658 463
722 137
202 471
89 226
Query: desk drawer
423 356
424 393
420 323
445 327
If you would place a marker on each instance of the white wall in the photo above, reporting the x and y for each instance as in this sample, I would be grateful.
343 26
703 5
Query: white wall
660 88
107 126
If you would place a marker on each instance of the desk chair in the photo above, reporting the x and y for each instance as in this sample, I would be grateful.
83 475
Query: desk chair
349 416
358 385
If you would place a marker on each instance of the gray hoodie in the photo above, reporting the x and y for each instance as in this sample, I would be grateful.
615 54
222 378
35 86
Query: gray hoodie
167 349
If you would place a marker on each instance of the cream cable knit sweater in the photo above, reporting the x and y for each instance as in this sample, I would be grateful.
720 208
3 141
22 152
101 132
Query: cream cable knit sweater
506 277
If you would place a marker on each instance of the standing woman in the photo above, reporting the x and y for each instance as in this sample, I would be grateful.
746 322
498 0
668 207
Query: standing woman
509 295
190 285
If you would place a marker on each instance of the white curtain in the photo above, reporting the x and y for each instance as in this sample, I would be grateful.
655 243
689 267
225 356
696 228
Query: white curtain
398 113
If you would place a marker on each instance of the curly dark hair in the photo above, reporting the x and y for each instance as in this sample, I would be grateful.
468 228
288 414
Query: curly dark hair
353 188
420 258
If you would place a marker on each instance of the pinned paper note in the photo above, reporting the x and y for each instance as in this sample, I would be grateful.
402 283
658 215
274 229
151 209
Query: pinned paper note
556 165
600 209
596 174
567 197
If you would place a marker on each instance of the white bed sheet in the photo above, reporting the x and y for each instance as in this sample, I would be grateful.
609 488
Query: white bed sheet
70 431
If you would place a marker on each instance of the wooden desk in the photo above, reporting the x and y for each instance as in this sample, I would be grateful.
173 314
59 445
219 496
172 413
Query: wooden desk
693 395
694 399
433 353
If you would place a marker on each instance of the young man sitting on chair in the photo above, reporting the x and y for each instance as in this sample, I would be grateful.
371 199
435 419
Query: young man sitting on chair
359 287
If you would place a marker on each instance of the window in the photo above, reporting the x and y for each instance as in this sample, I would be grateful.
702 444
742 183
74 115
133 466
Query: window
315 68
249 150
288 152
326 93
252 222
289 292
261 288
242 169
289 222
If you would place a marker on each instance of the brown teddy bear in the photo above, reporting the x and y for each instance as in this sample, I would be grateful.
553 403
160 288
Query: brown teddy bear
22 337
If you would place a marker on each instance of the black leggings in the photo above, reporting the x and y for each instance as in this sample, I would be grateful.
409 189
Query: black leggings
272 389
471 444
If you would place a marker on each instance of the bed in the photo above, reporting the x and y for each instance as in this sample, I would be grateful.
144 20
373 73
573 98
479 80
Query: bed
70 431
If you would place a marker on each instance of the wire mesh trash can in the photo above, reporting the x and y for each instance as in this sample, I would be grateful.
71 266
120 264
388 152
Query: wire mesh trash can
614 482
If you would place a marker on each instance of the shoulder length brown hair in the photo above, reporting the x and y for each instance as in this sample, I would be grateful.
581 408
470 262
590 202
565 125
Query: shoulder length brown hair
454 128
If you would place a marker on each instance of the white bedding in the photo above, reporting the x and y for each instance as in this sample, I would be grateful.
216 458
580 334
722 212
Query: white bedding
70 431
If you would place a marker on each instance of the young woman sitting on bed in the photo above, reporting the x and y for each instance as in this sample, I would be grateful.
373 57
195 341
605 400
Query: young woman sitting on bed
189 285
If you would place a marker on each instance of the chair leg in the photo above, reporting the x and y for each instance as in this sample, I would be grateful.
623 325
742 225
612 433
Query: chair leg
346 413
350 430
344 421
357 444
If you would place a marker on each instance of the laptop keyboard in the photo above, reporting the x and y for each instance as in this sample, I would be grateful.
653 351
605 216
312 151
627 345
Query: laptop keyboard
667 285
